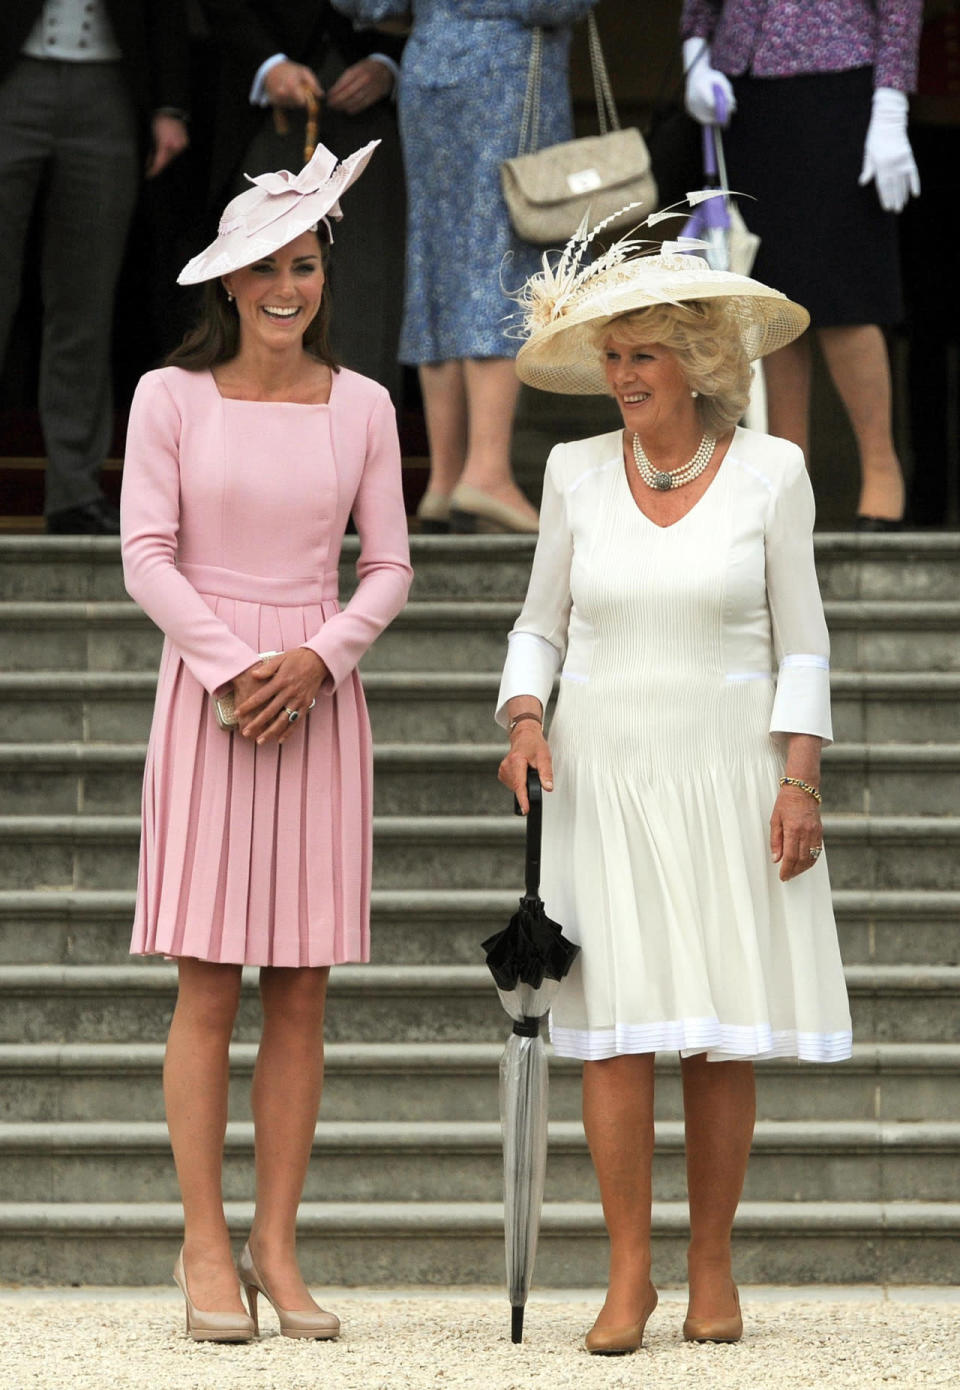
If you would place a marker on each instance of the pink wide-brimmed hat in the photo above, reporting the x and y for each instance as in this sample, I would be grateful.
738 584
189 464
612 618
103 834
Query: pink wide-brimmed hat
275 211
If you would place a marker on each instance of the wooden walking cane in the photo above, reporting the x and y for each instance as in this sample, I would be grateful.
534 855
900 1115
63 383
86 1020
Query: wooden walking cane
282 126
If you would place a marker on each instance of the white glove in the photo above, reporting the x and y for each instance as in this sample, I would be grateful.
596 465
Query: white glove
702 77
887 156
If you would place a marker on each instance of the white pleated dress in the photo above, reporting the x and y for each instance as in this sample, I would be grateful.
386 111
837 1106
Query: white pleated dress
685 654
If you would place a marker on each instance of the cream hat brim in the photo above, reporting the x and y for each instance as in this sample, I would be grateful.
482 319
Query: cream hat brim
562 354
275 211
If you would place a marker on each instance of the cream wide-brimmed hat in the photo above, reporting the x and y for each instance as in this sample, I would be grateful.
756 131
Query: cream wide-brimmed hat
564 305
275 211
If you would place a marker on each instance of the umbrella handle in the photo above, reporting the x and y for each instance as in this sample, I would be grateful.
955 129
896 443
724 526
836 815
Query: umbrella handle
534 829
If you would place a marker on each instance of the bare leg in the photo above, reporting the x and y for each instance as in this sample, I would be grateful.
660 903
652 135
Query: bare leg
618 1120
445 408
787 373
858 363
196 1078
287 1082
492 388
719 1103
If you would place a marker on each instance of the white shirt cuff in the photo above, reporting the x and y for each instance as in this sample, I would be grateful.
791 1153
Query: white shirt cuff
394 68
258 94
802 701
531 665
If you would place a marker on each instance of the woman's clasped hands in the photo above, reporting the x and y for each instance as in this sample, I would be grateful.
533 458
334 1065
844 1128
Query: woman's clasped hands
269 691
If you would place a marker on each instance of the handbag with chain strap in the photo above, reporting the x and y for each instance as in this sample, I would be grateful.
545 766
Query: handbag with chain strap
548 191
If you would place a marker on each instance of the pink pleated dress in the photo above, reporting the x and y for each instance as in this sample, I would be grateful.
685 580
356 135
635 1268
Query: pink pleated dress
233 514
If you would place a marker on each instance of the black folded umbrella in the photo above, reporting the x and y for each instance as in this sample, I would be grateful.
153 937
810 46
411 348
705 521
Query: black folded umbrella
527 960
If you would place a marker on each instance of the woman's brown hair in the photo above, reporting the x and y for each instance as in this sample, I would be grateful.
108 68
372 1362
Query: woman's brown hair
215 337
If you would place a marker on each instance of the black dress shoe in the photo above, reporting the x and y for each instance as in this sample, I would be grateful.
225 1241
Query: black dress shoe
96 518
877 523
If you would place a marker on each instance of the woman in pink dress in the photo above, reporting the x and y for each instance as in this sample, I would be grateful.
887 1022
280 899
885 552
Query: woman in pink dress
246 455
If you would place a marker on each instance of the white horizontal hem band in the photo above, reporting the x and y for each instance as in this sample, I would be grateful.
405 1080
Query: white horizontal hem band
721 1041
806 659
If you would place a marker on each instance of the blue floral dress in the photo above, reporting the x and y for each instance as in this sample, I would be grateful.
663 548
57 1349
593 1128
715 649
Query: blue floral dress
464 76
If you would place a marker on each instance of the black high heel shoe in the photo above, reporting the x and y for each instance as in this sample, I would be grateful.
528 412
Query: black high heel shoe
877 524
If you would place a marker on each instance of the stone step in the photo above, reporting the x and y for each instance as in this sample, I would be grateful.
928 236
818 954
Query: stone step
457 778
441 1161
80 852
116 707
43 1082
436 1243
396 1003
906 566
433 926
875 635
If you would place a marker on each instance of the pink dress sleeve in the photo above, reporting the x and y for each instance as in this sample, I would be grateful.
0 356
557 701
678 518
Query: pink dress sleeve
150 525
383 568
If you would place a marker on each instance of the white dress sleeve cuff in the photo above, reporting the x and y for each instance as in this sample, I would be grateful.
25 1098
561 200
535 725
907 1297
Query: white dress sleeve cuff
802 701
531 665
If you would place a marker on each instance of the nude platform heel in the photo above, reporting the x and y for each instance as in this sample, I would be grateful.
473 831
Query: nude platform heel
620 1341
715 1329
212 1327
319 1325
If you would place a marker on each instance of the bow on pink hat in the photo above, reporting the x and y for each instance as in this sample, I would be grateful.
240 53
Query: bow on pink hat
275 210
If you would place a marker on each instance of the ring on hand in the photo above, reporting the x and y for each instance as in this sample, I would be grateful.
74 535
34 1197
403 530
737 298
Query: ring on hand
292 714
816 851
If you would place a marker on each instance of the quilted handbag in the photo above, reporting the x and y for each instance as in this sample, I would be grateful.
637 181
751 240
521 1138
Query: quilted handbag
548 191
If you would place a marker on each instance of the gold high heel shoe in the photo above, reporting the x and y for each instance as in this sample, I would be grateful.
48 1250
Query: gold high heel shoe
212 1327
715 1329
318 1324
619 1341
474 511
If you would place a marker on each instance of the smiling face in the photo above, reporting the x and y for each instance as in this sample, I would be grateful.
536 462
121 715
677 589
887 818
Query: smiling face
277 297
649 386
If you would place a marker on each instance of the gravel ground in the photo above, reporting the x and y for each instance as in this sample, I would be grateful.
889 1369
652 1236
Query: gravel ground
823 1339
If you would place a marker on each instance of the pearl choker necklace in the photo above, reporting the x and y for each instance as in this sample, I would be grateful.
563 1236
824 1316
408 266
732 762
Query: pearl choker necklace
663 482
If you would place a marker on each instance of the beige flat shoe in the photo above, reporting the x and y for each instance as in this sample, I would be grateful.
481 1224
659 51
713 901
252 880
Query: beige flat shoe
715 1329
620 1341
212 1327
433 513
474 511
318 1324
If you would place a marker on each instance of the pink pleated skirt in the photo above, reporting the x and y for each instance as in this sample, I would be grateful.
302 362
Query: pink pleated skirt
256 855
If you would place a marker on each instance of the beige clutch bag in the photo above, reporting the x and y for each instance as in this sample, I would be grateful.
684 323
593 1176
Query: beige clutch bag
223 705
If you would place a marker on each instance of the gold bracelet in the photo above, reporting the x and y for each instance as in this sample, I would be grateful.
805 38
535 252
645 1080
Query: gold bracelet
529 714
804 787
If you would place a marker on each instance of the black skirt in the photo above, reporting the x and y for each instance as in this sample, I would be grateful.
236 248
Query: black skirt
796 144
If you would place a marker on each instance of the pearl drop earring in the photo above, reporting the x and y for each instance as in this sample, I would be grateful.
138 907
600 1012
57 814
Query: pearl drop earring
694 394
229 297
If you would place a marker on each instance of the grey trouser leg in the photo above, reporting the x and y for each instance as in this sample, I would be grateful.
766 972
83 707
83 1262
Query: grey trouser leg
77 120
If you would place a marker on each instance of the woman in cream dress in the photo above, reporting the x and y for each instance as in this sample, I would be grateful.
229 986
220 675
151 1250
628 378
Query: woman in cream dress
674 591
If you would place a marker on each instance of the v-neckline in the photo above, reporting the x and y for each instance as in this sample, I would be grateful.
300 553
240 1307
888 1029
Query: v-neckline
703 496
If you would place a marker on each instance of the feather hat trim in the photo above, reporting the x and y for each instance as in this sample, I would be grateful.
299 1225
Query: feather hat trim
562 305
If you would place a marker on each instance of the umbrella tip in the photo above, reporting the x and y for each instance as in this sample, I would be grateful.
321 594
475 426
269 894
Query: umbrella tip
516 1324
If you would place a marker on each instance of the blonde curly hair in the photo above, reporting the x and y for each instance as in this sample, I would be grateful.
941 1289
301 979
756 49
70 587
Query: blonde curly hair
704 336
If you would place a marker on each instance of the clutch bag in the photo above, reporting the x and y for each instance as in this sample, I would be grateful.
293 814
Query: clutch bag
224 705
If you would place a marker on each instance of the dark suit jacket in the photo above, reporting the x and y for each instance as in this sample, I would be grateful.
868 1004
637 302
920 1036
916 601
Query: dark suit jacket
151 36
250 31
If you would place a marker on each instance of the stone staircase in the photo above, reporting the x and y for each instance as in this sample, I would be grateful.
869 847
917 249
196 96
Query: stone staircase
855 1175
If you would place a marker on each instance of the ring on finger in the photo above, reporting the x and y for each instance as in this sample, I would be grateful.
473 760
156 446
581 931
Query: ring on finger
292 714
816 851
